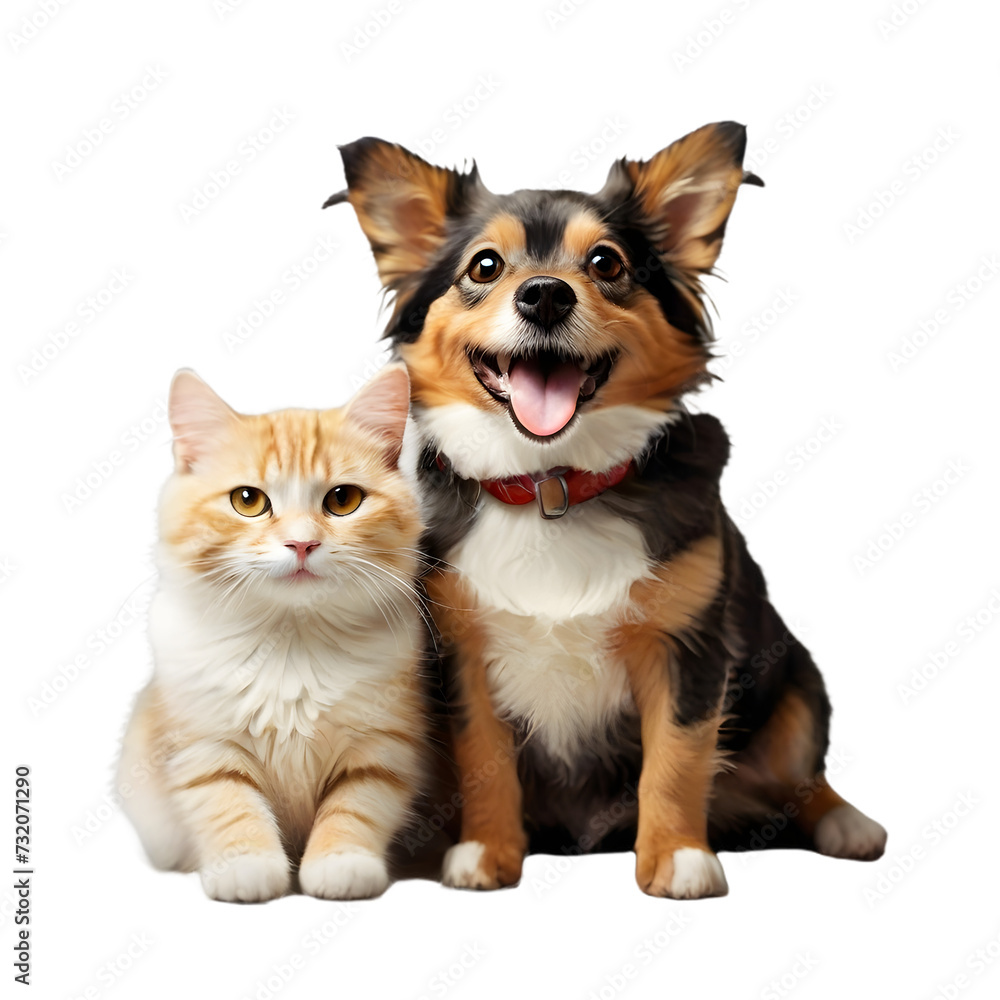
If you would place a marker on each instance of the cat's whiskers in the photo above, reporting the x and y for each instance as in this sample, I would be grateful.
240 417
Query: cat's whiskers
225 599
273 684
362 569
407 590
421 557
424 562
226 576
403 585
391 614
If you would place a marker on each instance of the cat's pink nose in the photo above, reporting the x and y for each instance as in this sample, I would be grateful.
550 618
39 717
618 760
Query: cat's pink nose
302 549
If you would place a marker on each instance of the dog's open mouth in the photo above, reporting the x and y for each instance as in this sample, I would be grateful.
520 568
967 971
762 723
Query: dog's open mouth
542 390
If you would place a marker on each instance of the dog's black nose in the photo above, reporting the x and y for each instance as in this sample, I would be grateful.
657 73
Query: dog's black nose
544 300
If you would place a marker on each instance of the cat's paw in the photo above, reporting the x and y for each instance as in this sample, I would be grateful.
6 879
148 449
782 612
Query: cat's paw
344 875
246 878
473 865
846 832
685 873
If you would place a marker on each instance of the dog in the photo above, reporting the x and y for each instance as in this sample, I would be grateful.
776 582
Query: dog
617 677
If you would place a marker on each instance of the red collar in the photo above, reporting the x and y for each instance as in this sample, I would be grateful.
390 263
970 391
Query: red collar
556 490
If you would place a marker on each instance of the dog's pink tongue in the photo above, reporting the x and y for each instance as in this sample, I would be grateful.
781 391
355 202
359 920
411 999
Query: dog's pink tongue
544 404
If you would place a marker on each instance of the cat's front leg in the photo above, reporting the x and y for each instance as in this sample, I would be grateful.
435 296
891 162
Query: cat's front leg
235 835
364 804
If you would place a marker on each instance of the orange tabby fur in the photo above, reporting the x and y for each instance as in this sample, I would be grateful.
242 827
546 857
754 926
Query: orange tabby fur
284 724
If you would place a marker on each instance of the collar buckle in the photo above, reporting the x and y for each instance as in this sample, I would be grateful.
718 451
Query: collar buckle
552 493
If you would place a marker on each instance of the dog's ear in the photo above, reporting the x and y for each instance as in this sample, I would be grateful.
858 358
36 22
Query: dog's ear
403 204
681 197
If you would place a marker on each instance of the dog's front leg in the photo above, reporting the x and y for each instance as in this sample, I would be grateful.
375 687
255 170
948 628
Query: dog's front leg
677 687
678 765
493 842
676 663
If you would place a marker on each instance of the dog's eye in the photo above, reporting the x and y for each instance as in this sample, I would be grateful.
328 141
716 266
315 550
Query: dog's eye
343 500
249 501
486 266
604 264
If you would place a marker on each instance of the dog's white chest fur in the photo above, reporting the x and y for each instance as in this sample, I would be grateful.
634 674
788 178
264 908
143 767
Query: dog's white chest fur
549 593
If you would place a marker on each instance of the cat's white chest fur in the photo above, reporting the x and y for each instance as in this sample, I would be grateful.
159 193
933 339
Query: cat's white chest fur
549 593
282 675
299 692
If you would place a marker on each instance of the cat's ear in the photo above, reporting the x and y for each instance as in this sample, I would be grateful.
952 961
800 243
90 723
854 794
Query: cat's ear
381 408
198 418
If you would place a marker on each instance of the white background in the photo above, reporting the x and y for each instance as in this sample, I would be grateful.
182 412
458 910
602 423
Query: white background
560 96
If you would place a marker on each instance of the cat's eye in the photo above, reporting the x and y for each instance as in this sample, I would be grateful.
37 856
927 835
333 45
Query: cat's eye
604 264
486 266
249 501
343 500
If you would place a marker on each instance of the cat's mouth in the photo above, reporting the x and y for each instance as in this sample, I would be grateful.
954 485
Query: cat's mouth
542 390
300 574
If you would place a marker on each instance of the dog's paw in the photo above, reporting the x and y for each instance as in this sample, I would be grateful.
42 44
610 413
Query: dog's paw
246 878
846 832
685 873
472 865
344 875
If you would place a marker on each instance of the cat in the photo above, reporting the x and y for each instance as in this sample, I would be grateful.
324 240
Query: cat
284 722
